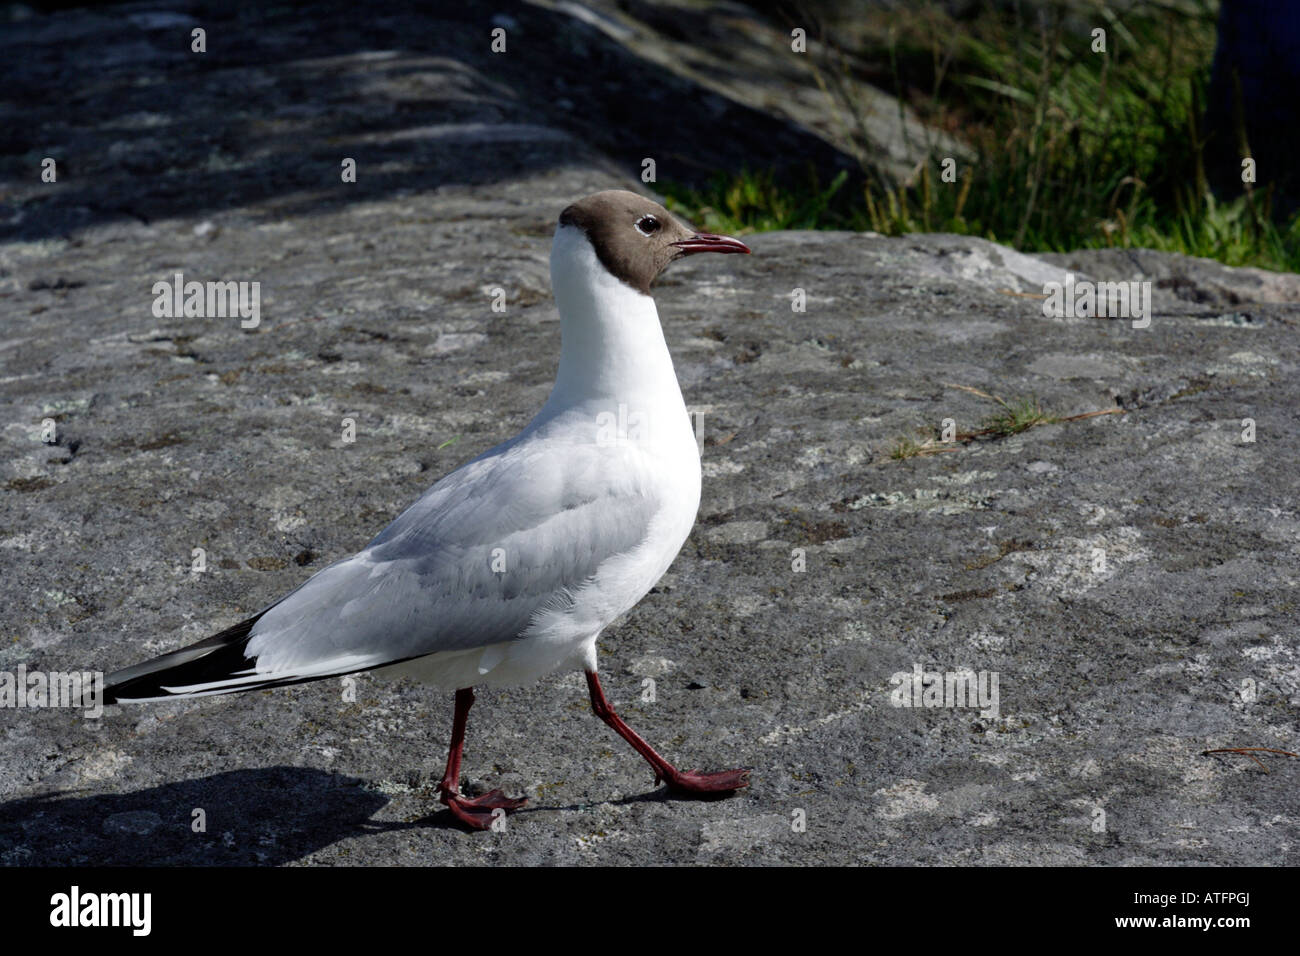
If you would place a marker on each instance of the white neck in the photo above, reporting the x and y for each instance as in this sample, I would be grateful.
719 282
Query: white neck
611 344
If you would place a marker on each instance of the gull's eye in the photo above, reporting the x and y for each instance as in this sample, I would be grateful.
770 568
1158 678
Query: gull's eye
647 225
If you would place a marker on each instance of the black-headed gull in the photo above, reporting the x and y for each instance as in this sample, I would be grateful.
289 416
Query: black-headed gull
512 565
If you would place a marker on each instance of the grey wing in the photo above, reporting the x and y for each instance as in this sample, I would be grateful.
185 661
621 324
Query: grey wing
505 536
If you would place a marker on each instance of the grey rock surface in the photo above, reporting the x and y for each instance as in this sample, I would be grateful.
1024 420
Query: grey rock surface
182 433
731 50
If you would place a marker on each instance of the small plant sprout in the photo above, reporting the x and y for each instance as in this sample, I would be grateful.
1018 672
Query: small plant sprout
1013 417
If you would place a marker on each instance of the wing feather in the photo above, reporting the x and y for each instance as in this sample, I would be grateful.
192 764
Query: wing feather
509 534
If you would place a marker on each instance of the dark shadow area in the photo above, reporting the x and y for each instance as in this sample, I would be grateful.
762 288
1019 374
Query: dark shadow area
264 817
141 127
1253 108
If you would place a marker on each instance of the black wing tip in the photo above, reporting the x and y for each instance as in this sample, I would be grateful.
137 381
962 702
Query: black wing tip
211 659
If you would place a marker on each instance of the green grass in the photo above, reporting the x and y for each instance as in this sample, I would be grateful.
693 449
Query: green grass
907 447
1016 416
755 202
1073 149
1013 417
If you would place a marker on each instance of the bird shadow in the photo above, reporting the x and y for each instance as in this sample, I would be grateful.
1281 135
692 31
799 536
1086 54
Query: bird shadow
266 817
258 817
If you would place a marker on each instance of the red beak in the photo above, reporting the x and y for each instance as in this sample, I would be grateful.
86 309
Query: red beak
707 242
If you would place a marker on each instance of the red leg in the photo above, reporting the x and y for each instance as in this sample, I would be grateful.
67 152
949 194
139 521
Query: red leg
692 781
473 811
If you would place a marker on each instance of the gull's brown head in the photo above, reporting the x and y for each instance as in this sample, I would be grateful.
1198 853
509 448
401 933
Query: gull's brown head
635 238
